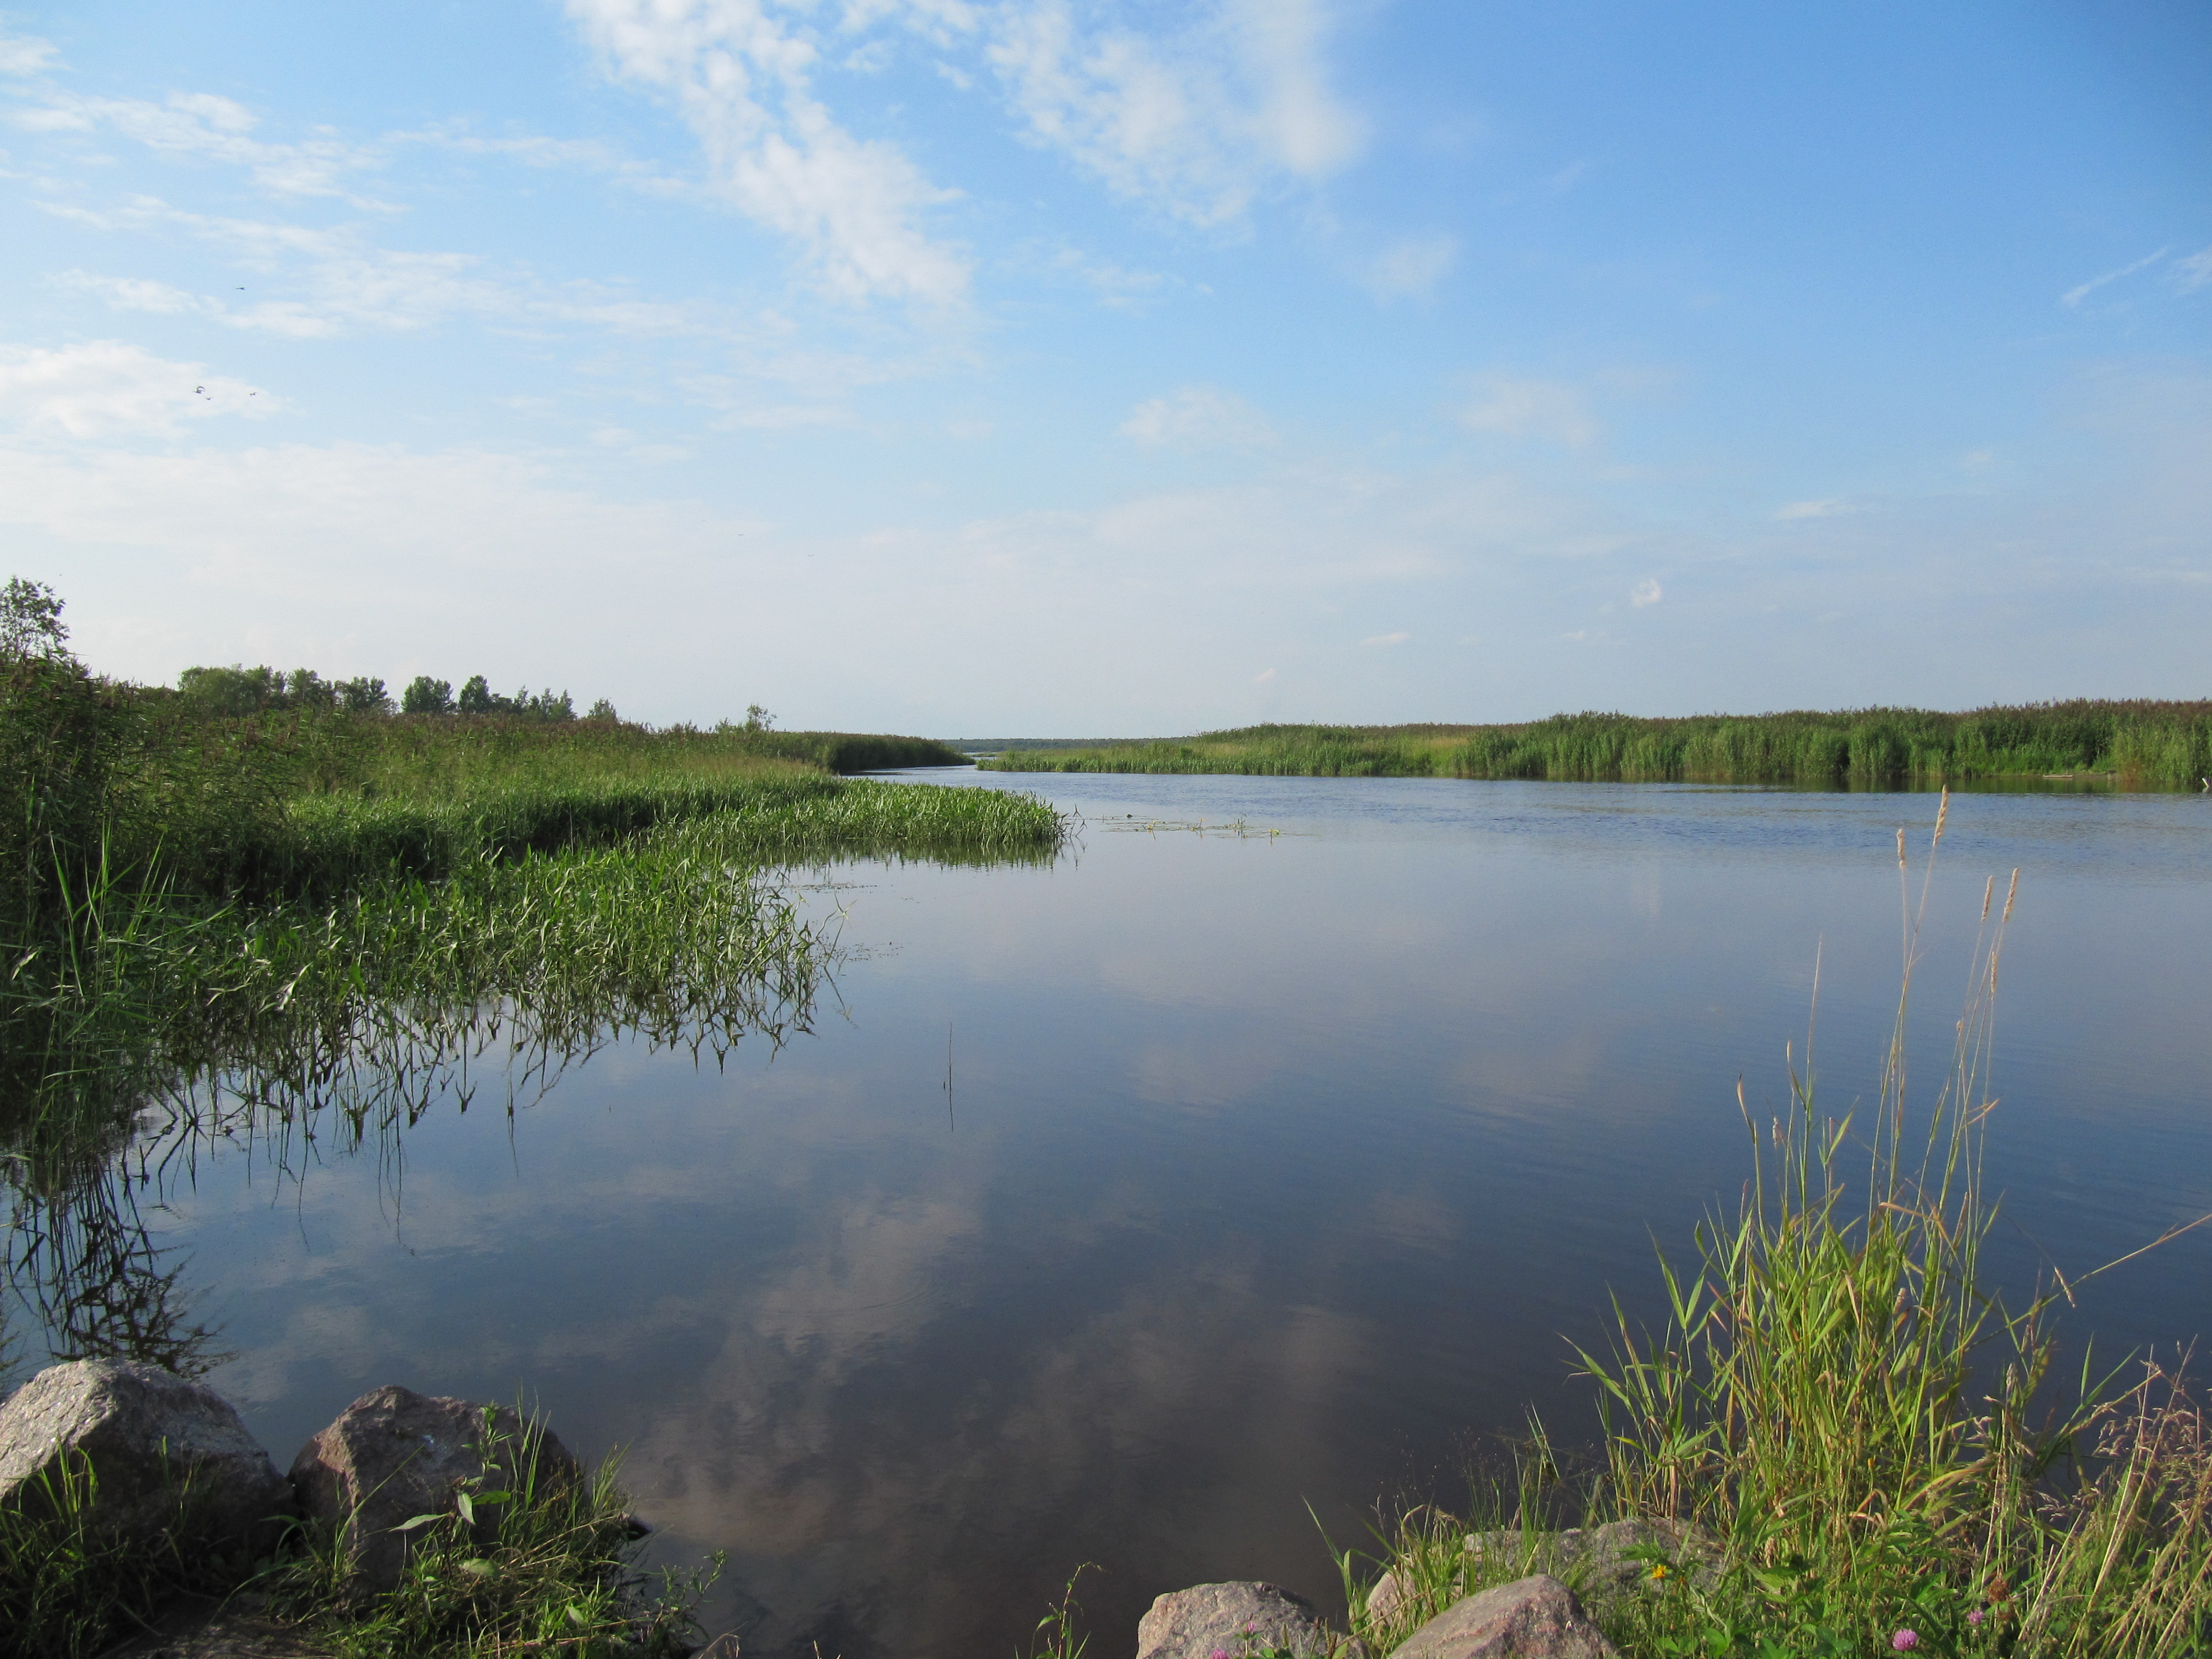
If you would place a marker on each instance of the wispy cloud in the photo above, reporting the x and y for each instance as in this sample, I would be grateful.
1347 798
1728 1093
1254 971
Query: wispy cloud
741 78
1410 268
1551 411
2074 296
1198 418
1195 125
22 56
108 387
340 282
1645 593
2194 271
1386 639
1827 507
202 125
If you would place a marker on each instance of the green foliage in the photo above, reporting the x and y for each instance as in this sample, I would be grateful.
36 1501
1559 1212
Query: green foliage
526 1561
70 1587
426 696
2139 745
31 622
1060 1634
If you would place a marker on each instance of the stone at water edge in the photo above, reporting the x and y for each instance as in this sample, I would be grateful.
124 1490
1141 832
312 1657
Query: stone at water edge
393 1455
146 1432
1596 1562
1233 1618
1531 1618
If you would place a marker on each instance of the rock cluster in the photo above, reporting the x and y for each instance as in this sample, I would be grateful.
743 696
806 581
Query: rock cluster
166 1453
1533 1618
1544 1612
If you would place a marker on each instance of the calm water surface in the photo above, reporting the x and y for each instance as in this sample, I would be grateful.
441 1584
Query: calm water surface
1116 1212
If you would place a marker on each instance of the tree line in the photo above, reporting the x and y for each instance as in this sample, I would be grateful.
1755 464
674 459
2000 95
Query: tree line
241 690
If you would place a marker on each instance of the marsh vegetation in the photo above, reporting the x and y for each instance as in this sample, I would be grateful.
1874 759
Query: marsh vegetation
2132 745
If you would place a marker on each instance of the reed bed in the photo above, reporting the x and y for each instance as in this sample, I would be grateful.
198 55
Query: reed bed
2130 744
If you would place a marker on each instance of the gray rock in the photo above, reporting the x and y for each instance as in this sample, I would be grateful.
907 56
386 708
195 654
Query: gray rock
1531 1618
154 1442
394 1455
1234 1619
1595 1562
1386 1597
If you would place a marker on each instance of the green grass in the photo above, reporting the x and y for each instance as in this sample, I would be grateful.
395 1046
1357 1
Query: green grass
536 1565
70 1587
1872 1438
2139 745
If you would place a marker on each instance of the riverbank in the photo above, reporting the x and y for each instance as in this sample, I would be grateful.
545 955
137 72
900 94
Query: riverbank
2127 745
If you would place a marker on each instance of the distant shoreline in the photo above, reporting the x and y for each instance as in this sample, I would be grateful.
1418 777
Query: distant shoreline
2133 744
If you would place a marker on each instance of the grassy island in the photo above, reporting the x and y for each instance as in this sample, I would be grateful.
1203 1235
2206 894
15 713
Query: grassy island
2132 744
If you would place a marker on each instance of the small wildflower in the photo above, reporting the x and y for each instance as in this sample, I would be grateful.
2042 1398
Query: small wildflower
1904 1639
1658 1570
1218 1653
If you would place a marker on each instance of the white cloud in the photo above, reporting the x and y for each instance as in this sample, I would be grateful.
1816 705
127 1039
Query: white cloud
1410 268
202 125
25 54
349 283
1263 677
1386 639
1548 410
134 294
1645 592
2194 269
2076 295
1195 125
111 387
1827 508
1198 418
741 79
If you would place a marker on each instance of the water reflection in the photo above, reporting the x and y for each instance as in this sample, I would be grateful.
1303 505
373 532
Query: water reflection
110 1112
1278 1167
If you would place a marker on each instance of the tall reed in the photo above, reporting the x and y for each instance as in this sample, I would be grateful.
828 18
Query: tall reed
1880 1443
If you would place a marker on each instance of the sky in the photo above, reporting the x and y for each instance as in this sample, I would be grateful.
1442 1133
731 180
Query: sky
1078 368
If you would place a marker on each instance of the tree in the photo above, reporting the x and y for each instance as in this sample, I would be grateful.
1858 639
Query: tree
232 690
757 719
31 622
603 710
305 688
364 695
476 697
425 696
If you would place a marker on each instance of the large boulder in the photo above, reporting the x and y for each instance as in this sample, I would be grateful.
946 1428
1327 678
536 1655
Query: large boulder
1531 1618
1233 1619
395 1454
163 1451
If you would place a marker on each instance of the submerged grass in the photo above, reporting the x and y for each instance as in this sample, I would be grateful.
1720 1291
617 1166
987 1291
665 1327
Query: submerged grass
1878 1449
2135 744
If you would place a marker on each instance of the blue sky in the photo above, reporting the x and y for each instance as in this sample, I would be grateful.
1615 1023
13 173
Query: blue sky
986 366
